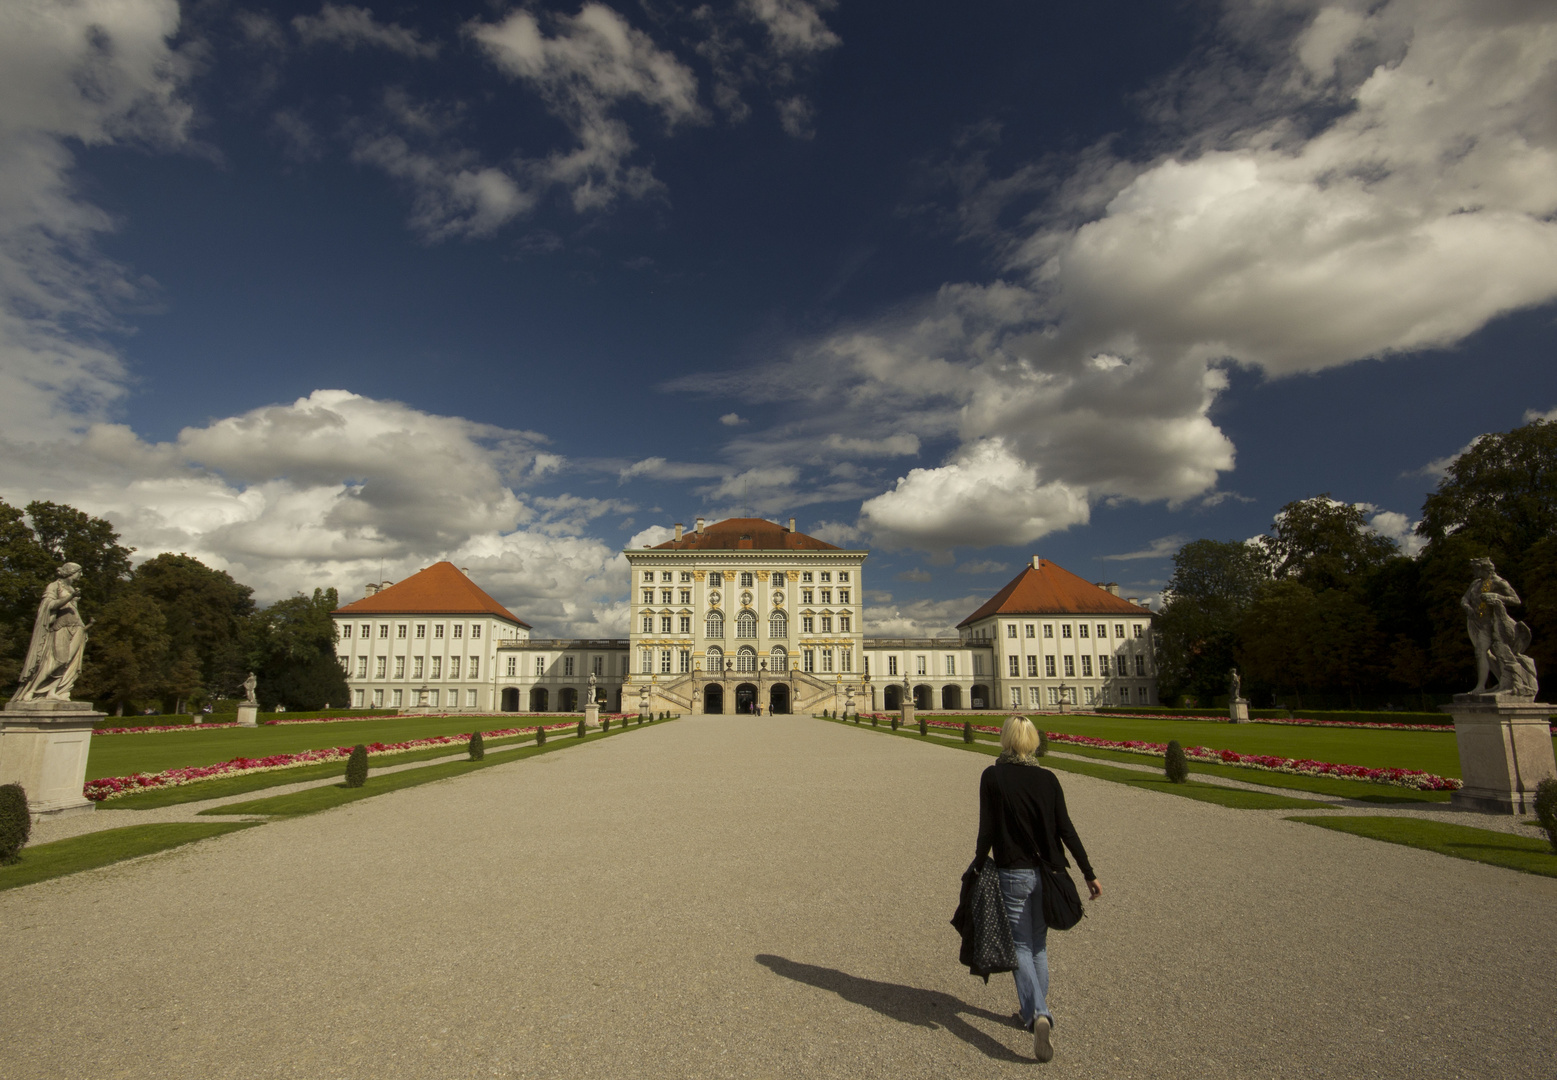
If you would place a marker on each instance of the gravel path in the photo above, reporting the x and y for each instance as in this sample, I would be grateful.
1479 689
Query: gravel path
720 897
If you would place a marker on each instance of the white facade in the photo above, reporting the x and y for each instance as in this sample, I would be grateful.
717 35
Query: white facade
446 663
1084 660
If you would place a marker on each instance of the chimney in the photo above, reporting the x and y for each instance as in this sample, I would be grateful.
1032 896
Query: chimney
370 590
384 585
699 525
465 570
679 527
1112 587
1037 563
791 524
1136 600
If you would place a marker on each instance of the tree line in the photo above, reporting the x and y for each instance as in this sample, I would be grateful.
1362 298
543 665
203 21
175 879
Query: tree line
171 634
1323 612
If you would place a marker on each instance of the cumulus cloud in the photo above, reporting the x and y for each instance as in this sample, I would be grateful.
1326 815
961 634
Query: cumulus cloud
920 618
840 533
348 26
592 63
1399 528
1164 547
915 574
1379 179
92 73
1532 415
793 26
731 419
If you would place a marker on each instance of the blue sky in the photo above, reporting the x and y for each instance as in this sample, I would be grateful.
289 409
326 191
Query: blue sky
322 293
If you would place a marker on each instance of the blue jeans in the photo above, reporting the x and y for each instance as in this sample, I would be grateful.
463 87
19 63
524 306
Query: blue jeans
1022 891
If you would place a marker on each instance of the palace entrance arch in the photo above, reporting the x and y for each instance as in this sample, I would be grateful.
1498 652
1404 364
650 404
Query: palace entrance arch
746 698
778 699
713 698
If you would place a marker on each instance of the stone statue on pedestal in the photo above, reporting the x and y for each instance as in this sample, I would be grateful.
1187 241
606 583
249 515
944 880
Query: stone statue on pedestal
592 698
1499 641
249 686
59 640
1234 684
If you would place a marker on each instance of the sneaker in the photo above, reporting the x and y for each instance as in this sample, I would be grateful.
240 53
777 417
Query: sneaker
1043 1050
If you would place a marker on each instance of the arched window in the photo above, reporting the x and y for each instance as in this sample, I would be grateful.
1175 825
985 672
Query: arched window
746 659
746 625
714 661
778 625
778 659
715 625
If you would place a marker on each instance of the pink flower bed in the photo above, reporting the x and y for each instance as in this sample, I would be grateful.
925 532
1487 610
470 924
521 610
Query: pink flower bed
1408 778
109 787
159 727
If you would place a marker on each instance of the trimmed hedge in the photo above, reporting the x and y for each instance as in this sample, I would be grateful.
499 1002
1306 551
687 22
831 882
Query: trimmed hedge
540 736
1546 809
15 822
1175 765
478 748
1358 716
357 766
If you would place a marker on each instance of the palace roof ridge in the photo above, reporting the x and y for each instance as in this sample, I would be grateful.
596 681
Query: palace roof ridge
1049 589
440 589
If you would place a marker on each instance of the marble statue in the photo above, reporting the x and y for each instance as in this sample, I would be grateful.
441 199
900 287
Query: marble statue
59 640
1499 640
249 686
1234 684
592 698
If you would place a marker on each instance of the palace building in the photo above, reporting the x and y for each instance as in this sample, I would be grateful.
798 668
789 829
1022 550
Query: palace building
745 614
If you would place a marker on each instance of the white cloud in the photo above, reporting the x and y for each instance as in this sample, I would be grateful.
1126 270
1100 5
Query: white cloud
904 444
920 618
840 533
651 537
593 62
987 496
731 419
1164 547
982 566
91 73
797 116
658 468
1532 415
455 194
794 26
349 26
1399 528
1379 180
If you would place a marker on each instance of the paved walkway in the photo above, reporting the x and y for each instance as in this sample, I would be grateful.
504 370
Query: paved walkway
732 897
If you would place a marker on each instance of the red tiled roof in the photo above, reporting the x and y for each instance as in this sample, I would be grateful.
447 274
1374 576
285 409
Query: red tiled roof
746 534
1052 590
439 590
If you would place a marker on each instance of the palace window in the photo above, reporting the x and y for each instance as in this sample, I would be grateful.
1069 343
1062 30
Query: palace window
807 596
778 625
1032 667
843 624
1140 665
665 624
1035 695
746 579
400 632
378 699
1070 667
1065 631
474 671
807 624
807 659
686 624
1013 667
921 665
715 580
1119 629
648 624
540 666
1082 629
345 630
1138 629
567 665
646 661
686 596
1054 695
470 699
437 668
513 667
438 631
891 665
399 667
1048 630
827 596
827 624
421 631
843 575
827 660
362 667
1086 667
1010 630
665 596
1031 630
666 575
1124 695
1089 694
396 699
776 579
846 660
778 659
364 630
1048 666
826 575
599 665
745 625
459 630
1016 697
383 630
648 575
951 665
714 661
715 626
1102 630
416 667
356 699
978 663
664 661
843 596
684 660
1102 666
475 633
648 596
805 577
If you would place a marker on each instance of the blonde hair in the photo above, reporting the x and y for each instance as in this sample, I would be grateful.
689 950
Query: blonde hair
1018 736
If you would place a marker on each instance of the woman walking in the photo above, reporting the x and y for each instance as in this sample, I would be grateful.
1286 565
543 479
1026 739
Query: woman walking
1022 818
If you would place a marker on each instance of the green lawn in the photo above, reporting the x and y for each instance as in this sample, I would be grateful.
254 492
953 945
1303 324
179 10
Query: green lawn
121 755
1460 841
1429 751
1236 798
331 795
108 846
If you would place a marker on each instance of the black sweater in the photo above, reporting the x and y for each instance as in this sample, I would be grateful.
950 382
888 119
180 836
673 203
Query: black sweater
1032 817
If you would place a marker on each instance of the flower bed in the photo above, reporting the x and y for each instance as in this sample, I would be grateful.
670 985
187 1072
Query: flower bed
110 787
160 727
1407 778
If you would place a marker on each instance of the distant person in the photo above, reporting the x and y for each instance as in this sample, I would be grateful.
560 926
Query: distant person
1022 817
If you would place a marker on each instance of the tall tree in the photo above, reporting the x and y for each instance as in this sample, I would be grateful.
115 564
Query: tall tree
126 658
293 652
1325 544
71 535
205 611
1213 583
1501 492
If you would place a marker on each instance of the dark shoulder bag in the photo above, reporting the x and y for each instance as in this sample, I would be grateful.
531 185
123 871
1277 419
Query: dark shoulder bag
1062 907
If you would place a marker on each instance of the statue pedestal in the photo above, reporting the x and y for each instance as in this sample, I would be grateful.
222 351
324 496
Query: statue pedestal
908 712
248 715
592 715
44 747
1505 751
1238 711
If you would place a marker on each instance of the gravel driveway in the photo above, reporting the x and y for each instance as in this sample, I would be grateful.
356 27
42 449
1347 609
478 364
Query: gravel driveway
764 898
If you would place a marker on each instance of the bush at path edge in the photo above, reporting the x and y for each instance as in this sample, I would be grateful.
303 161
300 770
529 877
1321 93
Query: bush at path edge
1546 809
1175 765
478 749
15 822
540 735
357 766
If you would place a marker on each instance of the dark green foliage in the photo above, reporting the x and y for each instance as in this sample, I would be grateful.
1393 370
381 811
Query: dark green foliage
605 724
292 651
924 727
127 659
875 721
478 748
1546 808
640 720
540 736
206 614
1175 764
894 723
580 732
357 766
1324 544
967 731
1213 583
15 822
1043 743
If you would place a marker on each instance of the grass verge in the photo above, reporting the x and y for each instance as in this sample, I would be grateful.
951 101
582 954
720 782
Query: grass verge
313 800
241 783
1235 798
109 846
1459 841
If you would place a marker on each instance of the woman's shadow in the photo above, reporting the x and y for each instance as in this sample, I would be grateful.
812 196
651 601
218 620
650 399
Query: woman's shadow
905 1004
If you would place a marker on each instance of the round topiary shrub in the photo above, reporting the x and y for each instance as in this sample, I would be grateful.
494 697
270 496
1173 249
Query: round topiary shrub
924 727
540 735
15 822
967 731
894 723
357 766
580 731
478 749
1175 764
1546 808
605 724
1043 742
875 721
